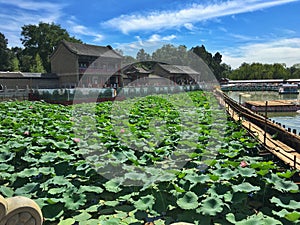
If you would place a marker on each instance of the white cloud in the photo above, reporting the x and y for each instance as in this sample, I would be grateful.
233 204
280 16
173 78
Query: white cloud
189 26
154 42
277 51
80 30
33 5
158 38
19 13
191 14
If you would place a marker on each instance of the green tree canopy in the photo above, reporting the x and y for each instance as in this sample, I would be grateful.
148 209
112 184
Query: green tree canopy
42 39
260 71
4 53
142 55
214 62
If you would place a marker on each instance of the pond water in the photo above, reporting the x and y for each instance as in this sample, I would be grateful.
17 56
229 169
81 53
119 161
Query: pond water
291 120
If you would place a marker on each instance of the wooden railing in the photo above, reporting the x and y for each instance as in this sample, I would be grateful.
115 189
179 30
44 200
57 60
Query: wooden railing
278 141
14 93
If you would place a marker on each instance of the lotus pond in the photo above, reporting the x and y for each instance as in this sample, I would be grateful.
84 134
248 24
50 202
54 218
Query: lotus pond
156 159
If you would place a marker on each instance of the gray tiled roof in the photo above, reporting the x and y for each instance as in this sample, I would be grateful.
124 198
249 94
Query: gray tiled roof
177 69
91 50
26 75
4 74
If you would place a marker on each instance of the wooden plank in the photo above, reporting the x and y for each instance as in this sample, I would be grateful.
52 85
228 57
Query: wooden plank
287 154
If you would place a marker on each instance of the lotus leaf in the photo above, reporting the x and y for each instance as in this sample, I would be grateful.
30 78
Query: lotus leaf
188 201
245 187
211 206
145 202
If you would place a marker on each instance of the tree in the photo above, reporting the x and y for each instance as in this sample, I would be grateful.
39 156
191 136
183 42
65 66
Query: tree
171 54
4 54
37 66
126 60
142 55
14 64
42 39
213 62
261 71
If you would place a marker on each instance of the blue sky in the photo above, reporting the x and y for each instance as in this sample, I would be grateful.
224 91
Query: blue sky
241 30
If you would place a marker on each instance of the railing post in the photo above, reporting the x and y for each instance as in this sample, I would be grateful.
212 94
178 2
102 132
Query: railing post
266 114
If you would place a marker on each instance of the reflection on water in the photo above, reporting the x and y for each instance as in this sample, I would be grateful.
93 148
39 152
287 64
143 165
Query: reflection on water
291 120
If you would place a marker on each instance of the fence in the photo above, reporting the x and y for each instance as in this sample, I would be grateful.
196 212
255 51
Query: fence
277 131
14 94
77 95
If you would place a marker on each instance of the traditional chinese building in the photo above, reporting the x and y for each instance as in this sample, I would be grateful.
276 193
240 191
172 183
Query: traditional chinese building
86 65
176 74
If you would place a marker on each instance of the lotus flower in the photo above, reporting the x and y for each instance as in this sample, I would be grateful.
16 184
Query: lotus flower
76 140
243 164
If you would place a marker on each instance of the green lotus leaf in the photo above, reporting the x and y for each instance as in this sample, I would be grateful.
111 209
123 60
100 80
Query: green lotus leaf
114 221
94 189
27 188
286 186
230 218
287 174
6 156
84 216
211 206
60 145
29 159
68 221
135 176
120 156
65 156
43 141
6 191
91 222
29 172
194 178
228 196
46 170
48 157
6 167
113 185
55 191
253 220
145 202
271 221
73 200
188 201
281 213
17 146
245 187
111 203
290 204
224 173
247 172
291 216
59 180
53 201
178 189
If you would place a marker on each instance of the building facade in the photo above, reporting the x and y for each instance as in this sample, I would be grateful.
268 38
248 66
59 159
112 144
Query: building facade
86 65
22 80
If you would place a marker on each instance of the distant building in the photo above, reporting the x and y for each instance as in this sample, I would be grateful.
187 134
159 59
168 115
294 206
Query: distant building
22 80
181 75
83 65
86 65
134 74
